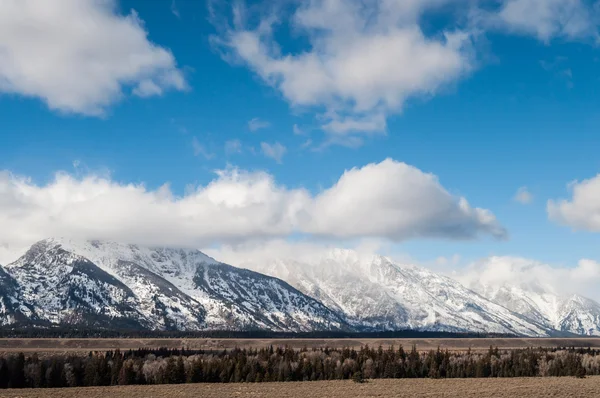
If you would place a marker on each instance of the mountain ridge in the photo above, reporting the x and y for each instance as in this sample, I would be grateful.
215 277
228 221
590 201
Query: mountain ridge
569 313
108 284
158 288
377 292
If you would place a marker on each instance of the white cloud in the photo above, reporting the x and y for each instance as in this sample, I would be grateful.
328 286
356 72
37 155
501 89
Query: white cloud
79 56
364 60
582 211
305 251
233 146
523 196
397 201
258 124
274 151
547 19
235 206
9 253
358 62
495 271
446 261
582 279
388 200
200 149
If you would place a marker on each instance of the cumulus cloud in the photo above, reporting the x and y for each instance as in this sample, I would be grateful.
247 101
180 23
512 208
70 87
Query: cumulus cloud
582 211
523 196
258 124
364 59
274 151
235 205
547 19
80 56
582 279
358 62
239 206
398 201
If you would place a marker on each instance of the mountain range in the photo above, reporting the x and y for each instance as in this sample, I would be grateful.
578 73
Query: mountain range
112 285
566 313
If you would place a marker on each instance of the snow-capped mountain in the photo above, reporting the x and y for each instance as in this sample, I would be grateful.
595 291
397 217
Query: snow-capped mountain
63 287
377 293
114 285
12 307
117 285
565 313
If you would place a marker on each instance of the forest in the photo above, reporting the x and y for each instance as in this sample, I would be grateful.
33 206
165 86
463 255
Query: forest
284 364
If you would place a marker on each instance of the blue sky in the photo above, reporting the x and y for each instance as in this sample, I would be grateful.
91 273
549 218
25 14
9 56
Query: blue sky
518 107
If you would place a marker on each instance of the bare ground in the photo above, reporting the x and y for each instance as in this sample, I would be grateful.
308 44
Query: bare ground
565 387
85 345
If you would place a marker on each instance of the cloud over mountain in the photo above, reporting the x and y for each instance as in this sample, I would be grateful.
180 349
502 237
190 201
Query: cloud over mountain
389 200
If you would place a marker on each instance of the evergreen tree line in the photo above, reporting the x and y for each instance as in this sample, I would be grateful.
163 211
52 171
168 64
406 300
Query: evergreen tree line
165 366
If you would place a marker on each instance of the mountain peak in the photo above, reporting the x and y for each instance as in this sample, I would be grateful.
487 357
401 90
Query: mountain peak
102 283
106 254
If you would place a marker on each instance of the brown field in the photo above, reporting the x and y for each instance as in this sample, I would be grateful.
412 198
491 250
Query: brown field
403 388
86 345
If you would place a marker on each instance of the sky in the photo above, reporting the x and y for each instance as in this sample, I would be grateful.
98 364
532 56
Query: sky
441 132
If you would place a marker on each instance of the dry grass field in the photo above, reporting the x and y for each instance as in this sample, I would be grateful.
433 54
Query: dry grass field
565 387
82 345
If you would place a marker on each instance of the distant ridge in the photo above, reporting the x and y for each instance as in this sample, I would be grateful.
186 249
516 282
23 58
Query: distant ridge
68 287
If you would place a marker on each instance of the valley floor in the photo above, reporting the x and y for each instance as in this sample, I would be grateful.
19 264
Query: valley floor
404 388
85 345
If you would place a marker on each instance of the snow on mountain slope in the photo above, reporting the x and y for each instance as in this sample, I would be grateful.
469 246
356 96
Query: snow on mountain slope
377 293
579 315
62 287
165 306
536 291
107 284
565 313
266 301
12 308
187 290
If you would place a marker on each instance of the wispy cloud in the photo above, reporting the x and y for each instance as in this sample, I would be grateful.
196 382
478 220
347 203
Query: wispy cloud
233 146
258 124
559 69
274 151
297 130
523 196
201 150
174 9
547 19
